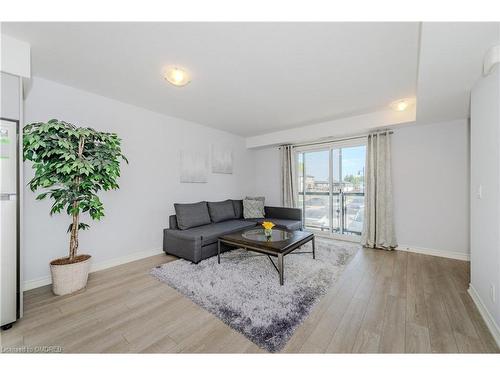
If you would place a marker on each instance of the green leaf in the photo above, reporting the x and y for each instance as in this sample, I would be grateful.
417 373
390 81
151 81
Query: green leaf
69 176
42 196
81 226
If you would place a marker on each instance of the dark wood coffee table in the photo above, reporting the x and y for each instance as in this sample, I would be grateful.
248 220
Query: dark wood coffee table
280 243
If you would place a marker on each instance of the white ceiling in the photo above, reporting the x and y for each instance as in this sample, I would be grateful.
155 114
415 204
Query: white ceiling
247 78
451 61
255 78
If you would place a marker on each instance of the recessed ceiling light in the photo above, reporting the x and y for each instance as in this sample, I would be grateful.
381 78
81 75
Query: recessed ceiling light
400 105
177 76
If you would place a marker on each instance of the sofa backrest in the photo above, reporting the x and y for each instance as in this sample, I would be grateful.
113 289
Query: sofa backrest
283 213
190 208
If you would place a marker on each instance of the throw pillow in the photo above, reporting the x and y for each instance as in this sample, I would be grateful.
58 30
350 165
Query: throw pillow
238 208
221 211
263 213
253 209
190 215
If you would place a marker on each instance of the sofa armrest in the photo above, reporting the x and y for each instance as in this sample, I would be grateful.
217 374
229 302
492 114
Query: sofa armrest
172 222
283 213
182 244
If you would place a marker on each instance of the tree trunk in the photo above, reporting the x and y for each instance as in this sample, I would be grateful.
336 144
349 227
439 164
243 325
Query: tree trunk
73 242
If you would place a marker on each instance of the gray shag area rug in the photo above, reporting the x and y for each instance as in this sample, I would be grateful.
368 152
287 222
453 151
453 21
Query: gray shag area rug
244 292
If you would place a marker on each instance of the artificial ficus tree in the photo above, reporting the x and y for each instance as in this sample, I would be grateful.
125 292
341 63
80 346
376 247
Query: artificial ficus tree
72 165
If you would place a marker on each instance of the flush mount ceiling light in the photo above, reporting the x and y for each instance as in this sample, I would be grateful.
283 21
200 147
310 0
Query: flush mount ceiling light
401 104
177 76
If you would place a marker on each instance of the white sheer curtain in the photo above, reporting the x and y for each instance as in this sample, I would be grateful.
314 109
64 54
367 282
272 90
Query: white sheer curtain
288 181
378 224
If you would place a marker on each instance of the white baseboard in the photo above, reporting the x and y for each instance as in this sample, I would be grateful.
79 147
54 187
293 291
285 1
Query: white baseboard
46 280
37 283
490 322
409 248
434 252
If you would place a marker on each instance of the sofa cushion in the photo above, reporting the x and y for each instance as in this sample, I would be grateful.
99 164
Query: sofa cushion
209 233
190 215
221 211
253 208
238 208
280 223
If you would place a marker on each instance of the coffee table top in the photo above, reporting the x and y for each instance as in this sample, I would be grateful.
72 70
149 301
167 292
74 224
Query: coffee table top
280 240
260 236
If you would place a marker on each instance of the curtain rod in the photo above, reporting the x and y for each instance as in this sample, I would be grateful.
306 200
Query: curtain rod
335 140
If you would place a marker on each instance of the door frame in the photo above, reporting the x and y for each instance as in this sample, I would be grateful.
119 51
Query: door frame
330 147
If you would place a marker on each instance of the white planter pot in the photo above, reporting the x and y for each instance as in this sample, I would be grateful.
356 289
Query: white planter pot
69 278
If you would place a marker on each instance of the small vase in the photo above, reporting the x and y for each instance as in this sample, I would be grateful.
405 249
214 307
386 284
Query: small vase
268 232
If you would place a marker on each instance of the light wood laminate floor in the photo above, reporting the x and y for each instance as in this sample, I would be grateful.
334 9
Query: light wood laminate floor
390 302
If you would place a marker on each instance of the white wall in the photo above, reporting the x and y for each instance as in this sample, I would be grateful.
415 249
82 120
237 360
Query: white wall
267 172
136 213
485 210
431 187
9 96
431 194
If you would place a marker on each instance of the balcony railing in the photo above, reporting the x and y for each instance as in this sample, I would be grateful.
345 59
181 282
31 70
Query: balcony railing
346 214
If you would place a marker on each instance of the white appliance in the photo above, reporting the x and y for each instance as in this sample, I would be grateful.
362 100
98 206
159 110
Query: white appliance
10 288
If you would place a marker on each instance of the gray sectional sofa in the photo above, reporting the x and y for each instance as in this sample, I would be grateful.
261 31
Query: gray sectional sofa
193 231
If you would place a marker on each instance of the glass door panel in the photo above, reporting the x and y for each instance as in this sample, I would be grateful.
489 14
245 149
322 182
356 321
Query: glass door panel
353 188
336 190
300 174
316 188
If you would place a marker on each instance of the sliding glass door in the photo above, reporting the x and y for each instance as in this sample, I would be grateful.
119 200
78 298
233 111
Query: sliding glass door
331 188
315 187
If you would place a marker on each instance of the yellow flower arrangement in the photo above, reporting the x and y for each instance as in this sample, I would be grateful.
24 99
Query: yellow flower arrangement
268 225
